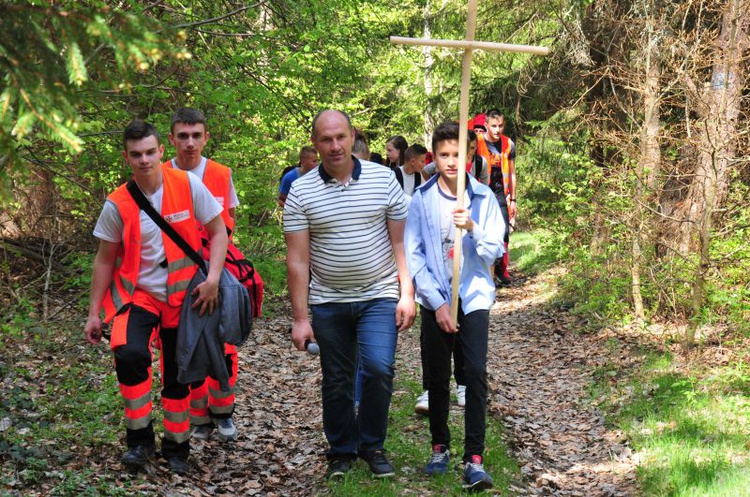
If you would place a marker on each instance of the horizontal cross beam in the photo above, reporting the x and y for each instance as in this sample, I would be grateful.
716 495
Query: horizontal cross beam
470 44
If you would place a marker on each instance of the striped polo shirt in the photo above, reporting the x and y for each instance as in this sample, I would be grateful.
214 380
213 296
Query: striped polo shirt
351 258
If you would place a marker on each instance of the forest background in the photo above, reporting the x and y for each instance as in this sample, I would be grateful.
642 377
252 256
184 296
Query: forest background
632 135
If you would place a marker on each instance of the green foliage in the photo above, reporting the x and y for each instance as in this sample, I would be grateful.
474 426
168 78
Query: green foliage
23 316
728 291
51 59
559 179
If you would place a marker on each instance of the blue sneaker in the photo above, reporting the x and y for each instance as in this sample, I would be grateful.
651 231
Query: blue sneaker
475 478
438 464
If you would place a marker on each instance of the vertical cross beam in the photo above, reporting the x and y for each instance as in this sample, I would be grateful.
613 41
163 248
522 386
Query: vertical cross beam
469 44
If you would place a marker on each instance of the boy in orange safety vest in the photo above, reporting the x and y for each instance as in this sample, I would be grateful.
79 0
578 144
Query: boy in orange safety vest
500 152
209 406
139 279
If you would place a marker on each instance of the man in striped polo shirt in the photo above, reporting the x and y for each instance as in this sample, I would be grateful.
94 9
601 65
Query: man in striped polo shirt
344 226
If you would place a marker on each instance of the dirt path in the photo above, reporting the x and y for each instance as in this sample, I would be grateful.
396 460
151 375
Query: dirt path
539 370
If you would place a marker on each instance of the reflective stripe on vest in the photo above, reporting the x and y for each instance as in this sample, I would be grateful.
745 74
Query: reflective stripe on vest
179 264
176 199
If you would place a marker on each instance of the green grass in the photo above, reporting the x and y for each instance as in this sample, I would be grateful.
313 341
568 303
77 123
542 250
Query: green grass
690 431
533 251
408 448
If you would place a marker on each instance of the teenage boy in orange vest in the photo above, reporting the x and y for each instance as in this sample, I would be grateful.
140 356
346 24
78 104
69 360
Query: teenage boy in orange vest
500 152
209 406
140 278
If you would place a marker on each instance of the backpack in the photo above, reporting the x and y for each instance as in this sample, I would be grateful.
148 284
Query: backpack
243 270
246 274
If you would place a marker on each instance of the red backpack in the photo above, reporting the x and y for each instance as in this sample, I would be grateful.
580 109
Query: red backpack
246 274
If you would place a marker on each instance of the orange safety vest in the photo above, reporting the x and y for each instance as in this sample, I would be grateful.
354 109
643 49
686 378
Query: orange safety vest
177 209
216 177
494 160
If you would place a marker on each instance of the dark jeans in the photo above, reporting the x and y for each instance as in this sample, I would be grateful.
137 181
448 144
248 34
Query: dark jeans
439 347
501 263
458 362
506 218
342 329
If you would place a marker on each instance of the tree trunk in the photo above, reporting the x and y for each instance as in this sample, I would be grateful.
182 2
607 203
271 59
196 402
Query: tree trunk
716 137
647 167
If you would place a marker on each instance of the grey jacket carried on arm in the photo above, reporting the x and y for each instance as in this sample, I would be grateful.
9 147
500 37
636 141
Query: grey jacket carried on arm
201 339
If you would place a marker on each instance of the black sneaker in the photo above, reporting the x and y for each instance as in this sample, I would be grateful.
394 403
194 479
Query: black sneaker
337 468
502 281
136 457
177 465
379 464
202 432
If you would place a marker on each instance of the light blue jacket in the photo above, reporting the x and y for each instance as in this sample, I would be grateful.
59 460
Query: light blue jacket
480 248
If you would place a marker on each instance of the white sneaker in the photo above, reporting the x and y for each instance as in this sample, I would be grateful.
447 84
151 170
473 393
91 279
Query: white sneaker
227 432
461 395
423 403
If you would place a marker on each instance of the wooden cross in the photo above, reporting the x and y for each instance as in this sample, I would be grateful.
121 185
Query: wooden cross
468 45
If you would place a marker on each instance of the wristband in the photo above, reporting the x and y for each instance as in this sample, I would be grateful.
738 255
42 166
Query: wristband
512 200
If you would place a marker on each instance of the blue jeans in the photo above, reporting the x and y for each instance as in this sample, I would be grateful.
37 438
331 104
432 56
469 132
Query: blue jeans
342 329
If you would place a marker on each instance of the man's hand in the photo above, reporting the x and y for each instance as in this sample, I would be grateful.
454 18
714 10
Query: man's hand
444 321
93 330
406 310
301 332
512 209
208 296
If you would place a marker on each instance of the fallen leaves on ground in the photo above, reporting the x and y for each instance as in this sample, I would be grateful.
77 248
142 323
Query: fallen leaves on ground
539 368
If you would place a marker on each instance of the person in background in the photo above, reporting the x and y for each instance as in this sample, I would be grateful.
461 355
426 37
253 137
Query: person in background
430 240
395 148
346 265
361 148
308 159
500 153
409 176
376 158
139 279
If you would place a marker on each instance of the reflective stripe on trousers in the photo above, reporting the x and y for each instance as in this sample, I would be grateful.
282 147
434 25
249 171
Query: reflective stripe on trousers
206 398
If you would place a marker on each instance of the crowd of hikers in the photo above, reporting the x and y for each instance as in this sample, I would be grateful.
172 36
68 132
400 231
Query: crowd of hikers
369 240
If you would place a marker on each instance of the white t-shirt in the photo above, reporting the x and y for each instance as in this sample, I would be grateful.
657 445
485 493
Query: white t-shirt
446 204
200 170
409 182
151 276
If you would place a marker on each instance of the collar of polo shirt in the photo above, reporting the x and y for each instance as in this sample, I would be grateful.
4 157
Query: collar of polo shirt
327 178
